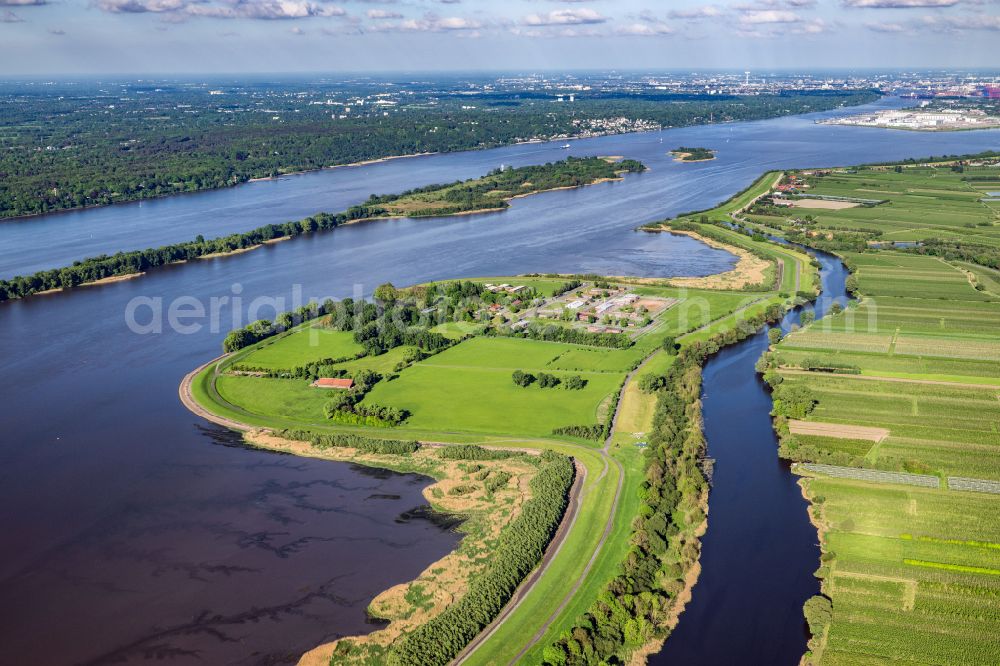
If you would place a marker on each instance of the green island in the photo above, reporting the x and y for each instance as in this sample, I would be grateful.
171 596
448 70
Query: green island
491 192
890 407
695 154
491 386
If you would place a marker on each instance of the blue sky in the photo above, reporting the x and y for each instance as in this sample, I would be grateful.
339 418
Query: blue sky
168 36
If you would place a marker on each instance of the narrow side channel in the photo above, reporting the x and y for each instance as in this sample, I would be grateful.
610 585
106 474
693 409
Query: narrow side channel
760 551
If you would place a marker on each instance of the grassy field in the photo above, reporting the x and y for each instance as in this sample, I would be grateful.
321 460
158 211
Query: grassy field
485 400
312 343
913 573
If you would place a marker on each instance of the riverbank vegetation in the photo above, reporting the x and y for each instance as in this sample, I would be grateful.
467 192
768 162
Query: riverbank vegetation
909 568
85 144
471 195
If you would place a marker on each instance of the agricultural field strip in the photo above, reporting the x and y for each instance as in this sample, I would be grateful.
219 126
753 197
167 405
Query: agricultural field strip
974 485
873 475
957 483
954 210
791 371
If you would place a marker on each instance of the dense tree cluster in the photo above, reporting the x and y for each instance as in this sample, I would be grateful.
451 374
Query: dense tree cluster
522 378
345 406
495 482
794 401
569 285
594 432
352 441
475 452
518 550
693 154
555 333
951 250
492 190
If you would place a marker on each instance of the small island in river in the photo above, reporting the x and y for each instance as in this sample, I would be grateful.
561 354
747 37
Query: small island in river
692 154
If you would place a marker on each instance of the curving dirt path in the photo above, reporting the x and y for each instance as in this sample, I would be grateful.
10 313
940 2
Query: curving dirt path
187 398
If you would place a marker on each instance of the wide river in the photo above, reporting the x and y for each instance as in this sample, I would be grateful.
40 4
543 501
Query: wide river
135 531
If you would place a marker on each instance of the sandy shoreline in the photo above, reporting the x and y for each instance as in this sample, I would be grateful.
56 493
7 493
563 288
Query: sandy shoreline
93 283
301 172
681 157
749 270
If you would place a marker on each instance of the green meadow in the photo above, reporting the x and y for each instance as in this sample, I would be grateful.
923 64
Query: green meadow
303 346
469 388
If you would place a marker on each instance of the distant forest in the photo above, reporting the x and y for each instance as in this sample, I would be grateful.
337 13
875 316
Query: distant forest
65 147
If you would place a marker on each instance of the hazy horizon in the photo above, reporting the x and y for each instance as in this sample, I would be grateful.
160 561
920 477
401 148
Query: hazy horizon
127 37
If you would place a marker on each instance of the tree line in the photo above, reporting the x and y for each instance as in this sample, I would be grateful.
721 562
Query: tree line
555 333
352 441
519 548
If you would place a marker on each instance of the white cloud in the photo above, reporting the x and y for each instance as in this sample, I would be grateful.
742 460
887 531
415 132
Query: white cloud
759 17
380 14
430 23
968 22
581 16
814 27
647 29
886 27
263 9
141 6
898 4
22 3
223 9
695 13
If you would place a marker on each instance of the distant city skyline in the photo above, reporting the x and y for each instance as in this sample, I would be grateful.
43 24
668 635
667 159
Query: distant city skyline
51 37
